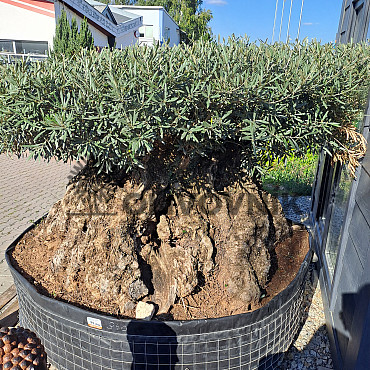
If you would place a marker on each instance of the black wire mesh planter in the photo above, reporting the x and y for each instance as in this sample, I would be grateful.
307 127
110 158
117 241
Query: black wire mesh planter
78 339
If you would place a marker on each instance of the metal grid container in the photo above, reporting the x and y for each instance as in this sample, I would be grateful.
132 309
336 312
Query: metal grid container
78 339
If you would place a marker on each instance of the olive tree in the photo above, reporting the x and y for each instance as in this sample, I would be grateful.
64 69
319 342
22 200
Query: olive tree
175 141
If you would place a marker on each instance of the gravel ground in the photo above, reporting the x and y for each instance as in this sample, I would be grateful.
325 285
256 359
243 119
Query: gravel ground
295 208
311 348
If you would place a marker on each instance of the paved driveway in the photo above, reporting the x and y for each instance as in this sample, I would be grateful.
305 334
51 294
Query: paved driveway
28 189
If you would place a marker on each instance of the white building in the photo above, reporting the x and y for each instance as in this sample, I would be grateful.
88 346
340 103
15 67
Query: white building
106 29
27 27
158 25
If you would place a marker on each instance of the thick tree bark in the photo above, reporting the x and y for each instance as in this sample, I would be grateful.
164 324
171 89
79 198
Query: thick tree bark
112 245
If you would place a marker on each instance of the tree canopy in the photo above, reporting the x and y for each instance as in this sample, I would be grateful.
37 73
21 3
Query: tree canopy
68 39
238 102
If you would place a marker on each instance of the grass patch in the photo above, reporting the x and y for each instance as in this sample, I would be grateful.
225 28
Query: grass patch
293 176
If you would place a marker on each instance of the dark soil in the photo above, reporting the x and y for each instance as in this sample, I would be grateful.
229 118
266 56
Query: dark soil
195 253
211 298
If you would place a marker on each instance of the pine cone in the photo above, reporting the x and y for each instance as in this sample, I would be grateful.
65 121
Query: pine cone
20 349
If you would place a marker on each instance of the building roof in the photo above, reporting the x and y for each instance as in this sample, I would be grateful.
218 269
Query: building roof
100 7
149 7
121 15
102 16
95 3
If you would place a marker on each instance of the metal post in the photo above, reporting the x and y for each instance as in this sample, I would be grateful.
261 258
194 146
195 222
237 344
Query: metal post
273 30
290 13
281 20
300 19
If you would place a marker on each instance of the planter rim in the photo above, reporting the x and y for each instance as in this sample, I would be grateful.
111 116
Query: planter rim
181 327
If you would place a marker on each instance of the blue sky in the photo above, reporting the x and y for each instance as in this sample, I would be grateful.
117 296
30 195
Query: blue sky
255 18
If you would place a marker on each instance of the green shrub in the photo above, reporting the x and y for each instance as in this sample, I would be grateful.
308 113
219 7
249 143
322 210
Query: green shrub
68 39
293 176
241 103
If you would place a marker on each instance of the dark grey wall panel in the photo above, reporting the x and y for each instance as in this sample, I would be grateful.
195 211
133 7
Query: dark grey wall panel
363 194
352 270
363 354
345 305
343 313
346 295
342 335
344 21
359 232
358 353
366 162
354 20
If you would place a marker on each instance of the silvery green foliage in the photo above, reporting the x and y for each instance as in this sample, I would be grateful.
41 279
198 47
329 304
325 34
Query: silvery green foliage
116 106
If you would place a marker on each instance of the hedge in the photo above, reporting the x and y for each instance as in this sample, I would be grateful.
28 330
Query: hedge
116 108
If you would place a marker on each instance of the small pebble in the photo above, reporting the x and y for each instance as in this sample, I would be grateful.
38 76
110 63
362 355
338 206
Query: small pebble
144 311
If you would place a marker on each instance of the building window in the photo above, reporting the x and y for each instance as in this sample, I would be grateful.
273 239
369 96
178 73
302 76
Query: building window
325 183
359 15
31 47
166 34
12 50
149 32
146 31
342 186
355 19
6 46
24 47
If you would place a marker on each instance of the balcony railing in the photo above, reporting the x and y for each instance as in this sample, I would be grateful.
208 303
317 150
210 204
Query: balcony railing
13 57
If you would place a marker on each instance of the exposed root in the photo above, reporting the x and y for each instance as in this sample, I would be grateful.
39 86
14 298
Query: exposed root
356 148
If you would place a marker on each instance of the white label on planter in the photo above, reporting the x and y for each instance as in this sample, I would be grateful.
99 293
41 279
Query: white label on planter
94 323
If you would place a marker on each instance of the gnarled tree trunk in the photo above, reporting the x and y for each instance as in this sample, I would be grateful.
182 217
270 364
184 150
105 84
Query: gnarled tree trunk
110 245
